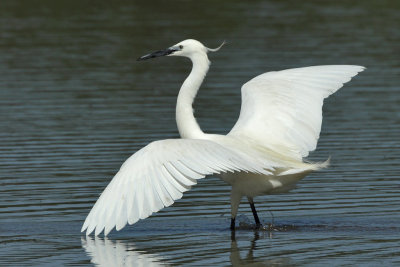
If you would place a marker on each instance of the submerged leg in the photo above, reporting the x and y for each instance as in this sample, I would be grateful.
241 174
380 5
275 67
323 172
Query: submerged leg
253 209
233 224
235 200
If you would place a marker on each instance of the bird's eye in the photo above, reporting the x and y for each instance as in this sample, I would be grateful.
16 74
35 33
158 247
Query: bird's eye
181 46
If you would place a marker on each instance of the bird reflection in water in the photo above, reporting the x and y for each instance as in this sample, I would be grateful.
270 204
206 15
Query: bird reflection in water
249 260
104 252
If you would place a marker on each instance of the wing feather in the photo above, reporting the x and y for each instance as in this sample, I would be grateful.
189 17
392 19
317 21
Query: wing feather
157 175
283 109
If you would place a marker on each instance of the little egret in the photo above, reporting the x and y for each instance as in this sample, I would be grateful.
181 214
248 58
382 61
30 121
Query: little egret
279 124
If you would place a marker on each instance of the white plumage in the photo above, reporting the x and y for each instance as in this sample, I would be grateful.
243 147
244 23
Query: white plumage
279 123
157 175
284 108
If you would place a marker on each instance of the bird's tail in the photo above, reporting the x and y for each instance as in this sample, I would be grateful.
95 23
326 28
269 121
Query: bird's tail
307 166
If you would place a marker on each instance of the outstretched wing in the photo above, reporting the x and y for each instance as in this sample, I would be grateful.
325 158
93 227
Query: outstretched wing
157 175
283 109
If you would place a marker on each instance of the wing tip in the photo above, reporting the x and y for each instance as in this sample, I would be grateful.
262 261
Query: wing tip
359 68
88 228
107 231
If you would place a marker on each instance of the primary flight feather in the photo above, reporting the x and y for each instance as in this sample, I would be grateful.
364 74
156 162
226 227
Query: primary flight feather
279 124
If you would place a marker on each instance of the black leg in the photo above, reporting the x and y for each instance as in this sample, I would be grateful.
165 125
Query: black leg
253 209
233 224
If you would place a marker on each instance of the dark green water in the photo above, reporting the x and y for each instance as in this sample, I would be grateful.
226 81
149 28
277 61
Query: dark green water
74 104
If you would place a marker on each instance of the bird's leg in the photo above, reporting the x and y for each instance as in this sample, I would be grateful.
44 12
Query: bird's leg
253 209
235 201
233 223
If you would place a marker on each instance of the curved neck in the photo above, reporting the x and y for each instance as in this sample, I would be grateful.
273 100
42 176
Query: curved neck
187 124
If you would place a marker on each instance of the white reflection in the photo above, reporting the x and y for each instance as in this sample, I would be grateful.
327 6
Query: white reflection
107 253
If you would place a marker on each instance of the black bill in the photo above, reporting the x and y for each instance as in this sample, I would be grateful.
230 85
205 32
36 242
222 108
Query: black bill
160 53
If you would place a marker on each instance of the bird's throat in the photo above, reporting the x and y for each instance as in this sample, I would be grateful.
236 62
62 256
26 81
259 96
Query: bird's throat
187 124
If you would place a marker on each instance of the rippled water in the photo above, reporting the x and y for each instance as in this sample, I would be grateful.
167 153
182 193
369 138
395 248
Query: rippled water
75 104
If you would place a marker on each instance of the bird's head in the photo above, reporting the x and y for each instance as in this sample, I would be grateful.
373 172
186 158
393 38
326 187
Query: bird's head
187 48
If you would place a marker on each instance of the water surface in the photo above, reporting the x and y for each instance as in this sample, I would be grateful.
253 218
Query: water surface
75 104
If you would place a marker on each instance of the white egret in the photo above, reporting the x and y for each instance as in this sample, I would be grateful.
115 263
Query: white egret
279 123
